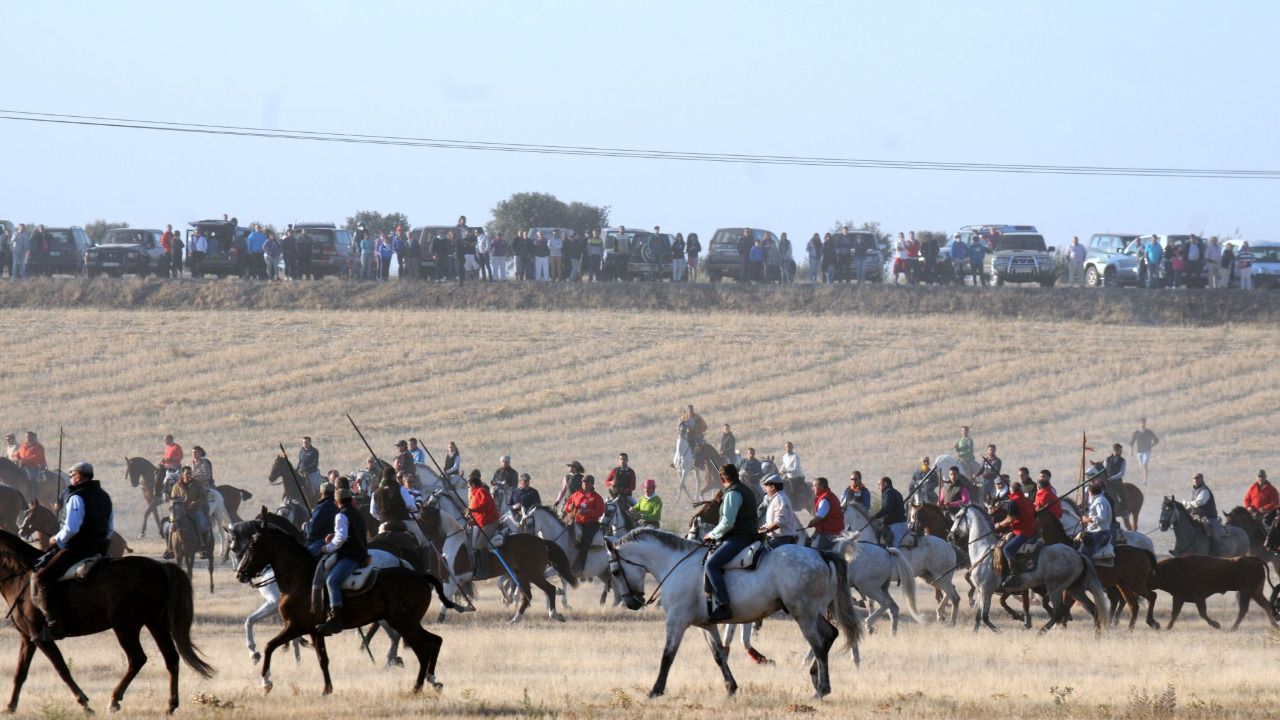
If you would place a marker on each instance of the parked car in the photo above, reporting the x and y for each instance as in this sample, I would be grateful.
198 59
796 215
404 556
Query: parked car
228 252
722 259
331 254
1016 254
845 270
631 254
126 251
1111 260
426 236
64 255
1265 272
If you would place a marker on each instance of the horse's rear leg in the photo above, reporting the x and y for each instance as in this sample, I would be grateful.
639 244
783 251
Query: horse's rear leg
322 654
128 639
550 590
1204 613
526 597
164 641
722 661
52 652
426 646
1150 597
26 651
821 636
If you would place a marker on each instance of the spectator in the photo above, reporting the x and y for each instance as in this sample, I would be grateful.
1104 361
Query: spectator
840 266
6 252
678 263
959 259
929 256
1155 261
254 243
828 258
744 255
271 256
175 255
1213 263
814 252
440 256
365 246
913 259
484 249
1193 266
464 254
900 259
977 254
595 253
399 247
575 248
692 248
21 249
1244 265
755 260
555 250
199 248
1075 262
289 250
498 257
1179 265
1227 265
541 258
386 255
38 249
788 267
772 261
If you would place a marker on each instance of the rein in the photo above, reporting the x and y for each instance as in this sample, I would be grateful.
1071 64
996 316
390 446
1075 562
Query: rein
653 597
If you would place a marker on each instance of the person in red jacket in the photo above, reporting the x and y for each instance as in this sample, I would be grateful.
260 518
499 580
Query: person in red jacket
1021 521
1262 497
621 481
1046 496
172 458
30 457
586 507
828 517
482 515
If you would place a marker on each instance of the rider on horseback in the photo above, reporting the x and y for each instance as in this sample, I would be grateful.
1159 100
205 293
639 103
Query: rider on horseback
1046 496
86 531
737 529
621 482
482 515
648 509
587 507
571 483
322 519
349 542
955 496
1020 519
695 427
201 467
1098 523
828 520
193 499
781 527
1204 508
1262 498
1115 465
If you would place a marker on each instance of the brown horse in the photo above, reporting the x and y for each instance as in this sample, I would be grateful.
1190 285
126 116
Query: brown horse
142 473
294 487
184 538
12 505
1256 530
1130 576
15 477
39 525
1132 502
930 520
122 595
399 596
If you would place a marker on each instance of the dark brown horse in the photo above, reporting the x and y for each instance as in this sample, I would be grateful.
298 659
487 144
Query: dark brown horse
12 505
15 477
38 525
1130 576
185 540
1256 530
399 596
1132 502
142 473
123 595
294 487
930 520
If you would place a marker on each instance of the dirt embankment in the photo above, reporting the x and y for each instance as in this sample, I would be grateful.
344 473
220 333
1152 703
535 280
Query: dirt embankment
1126 306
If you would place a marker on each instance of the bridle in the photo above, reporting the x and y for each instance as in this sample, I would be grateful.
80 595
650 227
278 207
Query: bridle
616 571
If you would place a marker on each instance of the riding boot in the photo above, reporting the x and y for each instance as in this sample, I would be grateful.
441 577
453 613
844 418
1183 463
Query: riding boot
720 613
333 625
168 545
53 628
206 540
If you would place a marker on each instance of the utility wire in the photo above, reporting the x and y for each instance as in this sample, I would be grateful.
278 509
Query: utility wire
632 153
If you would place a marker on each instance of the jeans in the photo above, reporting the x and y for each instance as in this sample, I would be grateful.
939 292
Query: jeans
1094 541
575 269
498 267
314 547
677 269
1075 272
342 570
272 263
1011 549
542 268
861 264
743 271
486 271
593 268
557 268
814 263
366 264
714 569
586 533
898 530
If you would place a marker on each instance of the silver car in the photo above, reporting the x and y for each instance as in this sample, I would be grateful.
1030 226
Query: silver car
1111 260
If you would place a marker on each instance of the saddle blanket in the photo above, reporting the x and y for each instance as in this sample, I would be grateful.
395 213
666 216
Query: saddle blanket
1105 556
80 571
362 578
748 558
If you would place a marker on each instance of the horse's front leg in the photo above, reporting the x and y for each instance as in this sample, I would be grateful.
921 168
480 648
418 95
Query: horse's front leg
289 632
674 635
52 652
264 611
26 651
722 660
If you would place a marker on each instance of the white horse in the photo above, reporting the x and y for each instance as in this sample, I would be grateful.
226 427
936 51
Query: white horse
934 560
220 521
807 583
873 566
542 521
1072 526
685 464
972 527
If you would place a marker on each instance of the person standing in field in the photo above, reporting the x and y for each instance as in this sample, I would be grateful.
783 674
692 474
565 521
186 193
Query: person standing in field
1141 444
692 248
728 445
964 452
1075 262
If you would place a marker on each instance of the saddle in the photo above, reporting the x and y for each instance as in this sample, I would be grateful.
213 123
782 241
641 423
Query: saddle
749 558
1025 561
361 580
80 571
597 540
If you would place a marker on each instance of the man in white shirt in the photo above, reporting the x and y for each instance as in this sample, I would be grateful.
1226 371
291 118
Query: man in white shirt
1075 262
780 523
792 472
199 246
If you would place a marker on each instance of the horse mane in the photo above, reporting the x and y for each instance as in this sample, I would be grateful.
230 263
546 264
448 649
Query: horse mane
1070 503
13 545
670 541
549 511
290 537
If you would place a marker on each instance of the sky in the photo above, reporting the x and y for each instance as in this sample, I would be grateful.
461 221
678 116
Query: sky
1158 84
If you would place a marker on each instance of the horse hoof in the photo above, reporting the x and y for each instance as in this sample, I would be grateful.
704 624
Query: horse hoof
558 617
257 657
655 694
395 662
266 686
115 708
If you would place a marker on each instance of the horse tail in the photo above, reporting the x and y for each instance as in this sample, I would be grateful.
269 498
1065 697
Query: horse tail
844 616
244 494
560 562
907 580
1089 581
434 582
181 613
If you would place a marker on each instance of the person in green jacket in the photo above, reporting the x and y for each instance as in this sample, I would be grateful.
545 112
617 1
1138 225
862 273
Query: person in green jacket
964 452
648 509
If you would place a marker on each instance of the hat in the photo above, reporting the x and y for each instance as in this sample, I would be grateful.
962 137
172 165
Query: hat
85 469
326 488
774 480
345 494
650 483
574 465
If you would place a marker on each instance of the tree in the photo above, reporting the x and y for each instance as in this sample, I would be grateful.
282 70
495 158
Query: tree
524 210
98 229
375 222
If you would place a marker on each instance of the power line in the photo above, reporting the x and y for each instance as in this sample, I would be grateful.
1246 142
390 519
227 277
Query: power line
628 153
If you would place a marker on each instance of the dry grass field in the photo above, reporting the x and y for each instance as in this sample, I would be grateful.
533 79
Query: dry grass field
851 391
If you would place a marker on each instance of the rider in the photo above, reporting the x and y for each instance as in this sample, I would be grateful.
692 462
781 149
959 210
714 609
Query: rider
322 518
1203 507
350 543
781 526
790 468
525 497
30 457
1115 465
737 529
1024 479
587 507
1046 496
955 496
828 520
964 449
453 461
86 531
482 516
1098 521
201 467
856 492
505 476
1262 497
195 505
926 492
990 471
648 509
695 427
172 457
1001 489
391 503
621 482
571 483
728 445
309 464
893 511
1021 521
419 454
751 469
405 456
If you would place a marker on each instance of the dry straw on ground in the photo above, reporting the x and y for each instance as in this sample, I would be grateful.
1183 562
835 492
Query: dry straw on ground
851 391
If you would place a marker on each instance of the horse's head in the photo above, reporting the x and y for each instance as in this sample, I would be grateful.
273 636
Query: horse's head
1167 512
625 576
241 535
36 519
254 556
959 532
129 474
279 470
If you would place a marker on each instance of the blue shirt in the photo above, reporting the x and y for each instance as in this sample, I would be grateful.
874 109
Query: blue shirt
256 240
958 251
1154 252
75 518
976 253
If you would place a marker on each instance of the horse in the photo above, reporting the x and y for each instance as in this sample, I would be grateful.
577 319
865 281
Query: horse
1132 503
1196 577
241 535
524 556
45 489
616 521
186 541
542 522
232 496
123 595
935 561
929 520
1191 538
805 582
141 473
294 487
38 524
1256 531
873 566
12 506
399 595
685 463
